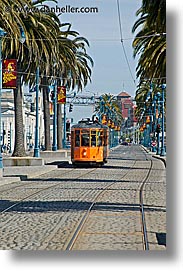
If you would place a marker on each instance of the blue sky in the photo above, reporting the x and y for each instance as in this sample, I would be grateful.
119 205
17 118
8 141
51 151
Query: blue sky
110 71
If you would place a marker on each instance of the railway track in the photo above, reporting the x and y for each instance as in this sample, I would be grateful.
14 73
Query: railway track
39 191
87 202
86 216
25 182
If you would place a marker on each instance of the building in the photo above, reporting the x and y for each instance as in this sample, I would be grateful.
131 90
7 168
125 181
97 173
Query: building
29 120
128 113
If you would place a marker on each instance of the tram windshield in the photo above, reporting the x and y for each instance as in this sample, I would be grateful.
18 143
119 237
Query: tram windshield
85 138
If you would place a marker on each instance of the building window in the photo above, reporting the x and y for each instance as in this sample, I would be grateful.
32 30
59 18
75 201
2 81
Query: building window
127 106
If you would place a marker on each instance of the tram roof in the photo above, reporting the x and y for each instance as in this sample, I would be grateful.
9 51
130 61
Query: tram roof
87 123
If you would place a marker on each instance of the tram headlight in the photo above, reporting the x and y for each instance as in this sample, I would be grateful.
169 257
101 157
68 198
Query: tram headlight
84 153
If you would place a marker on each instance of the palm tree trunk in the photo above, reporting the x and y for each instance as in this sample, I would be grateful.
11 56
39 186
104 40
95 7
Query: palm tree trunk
59 126
19 148
46 115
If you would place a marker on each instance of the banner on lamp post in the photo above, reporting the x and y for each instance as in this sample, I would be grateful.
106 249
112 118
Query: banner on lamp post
61 94
9 74
51 108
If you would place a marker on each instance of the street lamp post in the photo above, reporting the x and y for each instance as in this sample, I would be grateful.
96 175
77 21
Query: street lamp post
163 122
151 119
10 151
145 129
158 121
64 143
101 106
36 148
154 122
54 147
2 34
2 141
149 114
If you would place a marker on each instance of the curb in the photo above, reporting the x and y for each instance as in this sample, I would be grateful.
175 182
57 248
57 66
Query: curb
162 159
27 175
154 156
8 180
36 174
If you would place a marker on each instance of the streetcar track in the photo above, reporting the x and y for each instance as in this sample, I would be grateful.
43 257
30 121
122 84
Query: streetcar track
43 189
144 228
26 181
83 220
85 217
87 212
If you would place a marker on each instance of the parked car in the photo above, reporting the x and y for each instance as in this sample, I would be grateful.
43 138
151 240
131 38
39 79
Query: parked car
124 143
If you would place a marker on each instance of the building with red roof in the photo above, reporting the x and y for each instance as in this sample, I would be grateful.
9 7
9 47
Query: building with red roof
127 107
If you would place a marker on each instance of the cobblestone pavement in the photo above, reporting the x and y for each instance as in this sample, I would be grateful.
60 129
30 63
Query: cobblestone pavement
46 220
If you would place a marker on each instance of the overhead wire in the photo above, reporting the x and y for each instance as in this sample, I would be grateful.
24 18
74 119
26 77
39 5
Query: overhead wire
95 39
77 78
123 47
66 78
121 40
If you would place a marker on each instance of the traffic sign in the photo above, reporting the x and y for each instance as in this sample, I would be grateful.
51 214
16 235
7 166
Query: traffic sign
153 143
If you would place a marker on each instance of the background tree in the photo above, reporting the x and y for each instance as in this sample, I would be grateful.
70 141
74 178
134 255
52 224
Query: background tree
144 98
47 46
72 69
109 106
150 42
36 27
150 48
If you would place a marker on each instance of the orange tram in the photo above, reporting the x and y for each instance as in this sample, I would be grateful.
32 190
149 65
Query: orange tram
89 143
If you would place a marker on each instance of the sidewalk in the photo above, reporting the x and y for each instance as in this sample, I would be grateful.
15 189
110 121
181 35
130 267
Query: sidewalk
13 174
162 158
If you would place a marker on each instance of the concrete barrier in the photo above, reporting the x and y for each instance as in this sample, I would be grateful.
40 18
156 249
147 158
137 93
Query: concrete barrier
22 161
55 154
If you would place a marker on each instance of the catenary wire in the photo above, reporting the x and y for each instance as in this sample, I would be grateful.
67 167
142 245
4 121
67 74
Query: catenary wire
93 39
123 47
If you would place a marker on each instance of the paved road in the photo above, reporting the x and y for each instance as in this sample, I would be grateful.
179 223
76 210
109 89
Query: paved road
54 203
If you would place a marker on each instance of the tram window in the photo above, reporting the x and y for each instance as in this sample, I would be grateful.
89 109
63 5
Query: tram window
85 139
77 140
105 139
99 139
93 140
102 138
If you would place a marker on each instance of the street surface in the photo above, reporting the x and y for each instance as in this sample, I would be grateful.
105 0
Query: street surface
42 213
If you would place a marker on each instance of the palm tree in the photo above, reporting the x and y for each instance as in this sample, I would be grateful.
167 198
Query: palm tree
37 27
71 69
150 42
76 74
11 22
69 55
144 98
109 106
